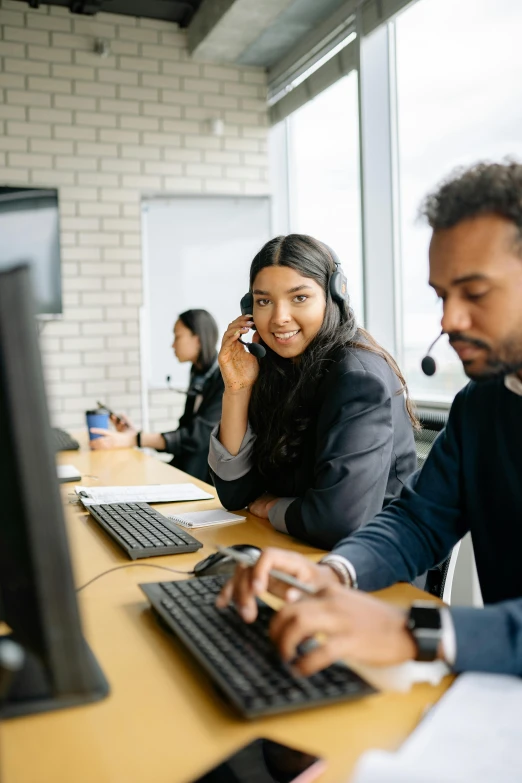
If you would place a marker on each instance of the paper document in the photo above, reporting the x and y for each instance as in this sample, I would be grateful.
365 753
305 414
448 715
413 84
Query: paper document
217 516
151 493
471 734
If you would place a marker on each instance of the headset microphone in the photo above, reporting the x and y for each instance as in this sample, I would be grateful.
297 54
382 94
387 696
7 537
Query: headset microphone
428 363
171 388
255 349
196 383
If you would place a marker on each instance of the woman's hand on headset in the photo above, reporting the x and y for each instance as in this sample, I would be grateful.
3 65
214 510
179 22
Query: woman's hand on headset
238 367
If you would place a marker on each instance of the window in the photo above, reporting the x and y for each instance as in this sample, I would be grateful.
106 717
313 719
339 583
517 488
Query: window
324 191
453 109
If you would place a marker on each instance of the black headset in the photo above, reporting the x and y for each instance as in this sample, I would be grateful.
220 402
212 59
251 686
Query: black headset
197 382
247 308
428 365
338 286
338 282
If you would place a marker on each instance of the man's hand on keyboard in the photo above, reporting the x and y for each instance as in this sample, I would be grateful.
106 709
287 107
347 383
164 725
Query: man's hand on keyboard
247 583
354 625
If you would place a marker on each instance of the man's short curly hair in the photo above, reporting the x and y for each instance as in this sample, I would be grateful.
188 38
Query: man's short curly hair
481 189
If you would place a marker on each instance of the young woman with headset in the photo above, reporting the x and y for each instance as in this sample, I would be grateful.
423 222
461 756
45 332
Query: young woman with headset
195 338
316 435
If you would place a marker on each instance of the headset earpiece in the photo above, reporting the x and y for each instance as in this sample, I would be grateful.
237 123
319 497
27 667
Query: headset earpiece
338 281
247 308
339 286
247 304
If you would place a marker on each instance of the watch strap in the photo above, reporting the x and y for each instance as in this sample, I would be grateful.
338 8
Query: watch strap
425 625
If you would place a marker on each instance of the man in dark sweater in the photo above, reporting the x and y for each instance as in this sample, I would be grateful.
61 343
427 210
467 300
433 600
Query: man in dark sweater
471 481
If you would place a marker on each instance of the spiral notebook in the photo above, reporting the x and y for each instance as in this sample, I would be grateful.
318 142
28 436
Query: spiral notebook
217 516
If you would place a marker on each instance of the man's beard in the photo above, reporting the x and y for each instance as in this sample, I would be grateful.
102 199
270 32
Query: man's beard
506 361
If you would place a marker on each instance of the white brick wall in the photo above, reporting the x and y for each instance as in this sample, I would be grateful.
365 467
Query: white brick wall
107 131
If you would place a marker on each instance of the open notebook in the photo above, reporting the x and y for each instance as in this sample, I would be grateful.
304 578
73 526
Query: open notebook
150 493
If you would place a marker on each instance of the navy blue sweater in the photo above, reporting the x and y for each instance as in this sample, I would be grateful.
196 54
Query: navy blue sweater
471 481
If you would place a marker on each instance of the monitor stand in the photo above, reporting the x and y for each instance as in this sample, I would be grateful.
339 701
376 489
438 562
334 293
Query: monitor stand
27 688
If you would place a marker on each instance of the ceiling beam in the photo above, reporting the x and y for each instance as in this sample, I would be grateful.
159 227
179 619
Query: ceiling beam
341 21
222 30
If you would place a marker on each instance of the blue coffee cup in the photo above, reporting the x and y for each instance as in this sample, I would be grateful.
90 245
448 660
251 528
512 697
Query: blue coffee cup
98 418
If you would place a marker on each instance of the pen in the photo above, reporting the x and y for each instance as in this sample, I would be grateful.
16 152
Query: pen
244 559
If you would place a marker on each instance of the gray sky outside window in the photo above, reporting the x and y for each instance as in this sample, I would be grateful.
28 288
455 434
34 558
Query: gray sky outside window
324 176
459 101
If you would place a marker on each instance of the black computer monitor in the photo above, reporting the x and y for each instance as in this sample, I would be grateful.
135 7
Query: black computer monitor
30 230
37 594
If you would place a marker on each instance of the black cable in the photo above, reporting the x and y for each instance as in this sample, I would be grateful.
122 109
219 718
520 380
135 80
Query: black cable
132 565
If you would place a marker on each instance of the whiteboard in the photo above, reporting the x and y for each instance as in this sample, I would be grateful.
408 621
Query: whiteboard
197 253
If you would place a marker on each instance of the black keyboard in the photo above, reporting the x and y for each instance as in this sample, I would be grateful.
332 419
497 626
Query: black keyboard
62 441
239 657
142 531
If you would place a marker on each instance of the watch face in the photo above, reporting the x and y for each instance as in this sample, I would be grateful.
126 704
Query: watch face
426 618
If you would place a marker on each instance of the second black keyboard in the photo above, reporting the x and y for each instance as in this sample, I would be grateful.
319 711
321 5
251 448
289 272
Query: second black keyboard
241 658
62 441
142 531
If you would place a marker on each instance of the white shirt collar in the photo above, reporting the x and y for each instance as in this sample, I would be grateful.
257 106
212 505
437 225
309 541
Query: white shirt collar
514 384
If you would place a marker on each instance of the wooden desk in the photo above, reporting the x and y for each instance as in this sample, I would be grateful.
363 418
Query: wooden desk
163 722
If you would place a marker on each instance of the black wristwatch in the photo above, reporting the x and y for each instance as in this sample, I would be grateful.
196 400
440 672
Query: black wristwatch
138 439
424 622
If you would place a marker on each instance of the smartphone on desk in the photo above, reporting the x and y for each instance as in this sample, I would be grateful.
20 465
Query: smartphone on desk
266 761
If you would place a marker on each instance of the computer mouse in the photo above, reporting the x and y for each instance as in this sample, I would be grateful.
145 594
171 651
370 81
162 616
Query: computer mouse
219 564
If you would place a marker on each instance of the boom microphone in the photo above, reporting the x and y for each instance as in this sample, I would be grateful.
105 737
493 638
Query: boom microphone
428 363
171 388
255 349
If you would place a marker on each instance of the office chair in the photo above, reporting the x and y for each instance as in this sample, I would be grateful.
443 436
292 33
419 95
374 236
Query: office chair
447 579
432 423
439 580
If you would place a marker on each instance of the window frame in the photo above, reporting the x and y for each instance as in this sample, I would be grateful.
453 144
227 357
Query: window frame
375 64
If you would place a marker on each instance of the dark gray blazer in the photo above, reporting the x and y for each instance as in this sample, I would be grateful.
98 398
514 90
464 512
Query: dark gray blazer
189 443
357 453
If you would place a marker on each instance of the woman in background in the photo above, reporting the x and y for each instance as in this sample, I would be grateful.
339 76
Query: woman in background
316 436
195 338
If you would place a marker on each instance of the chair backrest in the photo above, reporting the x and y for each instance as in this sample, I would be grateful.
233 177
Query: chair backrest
439 580
424 440
432 422
447 581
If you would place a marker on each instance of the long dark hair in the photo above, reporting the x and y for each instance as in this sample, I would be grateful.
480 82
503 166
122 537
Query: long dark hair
203 325
289 387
